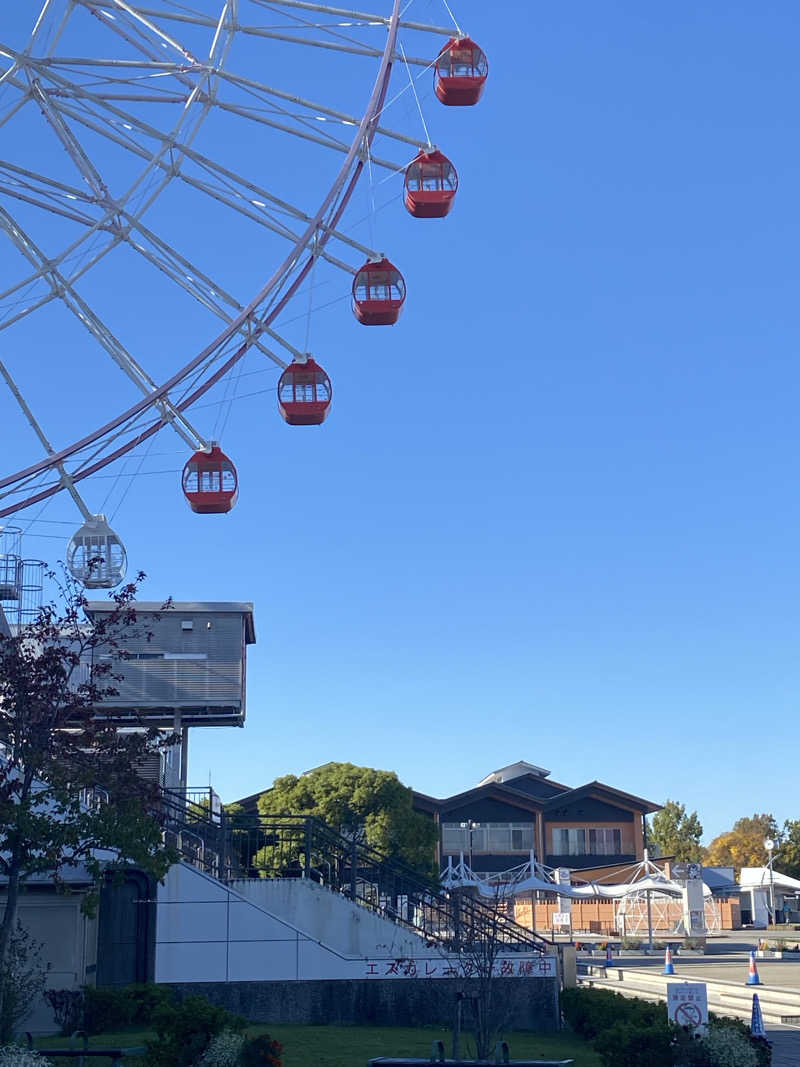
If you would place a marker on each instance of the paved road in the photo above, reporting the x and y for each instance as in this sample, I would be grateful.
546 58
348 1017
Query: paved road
785 1047
731 967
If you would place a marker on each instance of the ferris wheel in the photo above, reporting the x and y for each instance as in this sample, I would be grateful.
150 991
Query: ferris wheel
134 134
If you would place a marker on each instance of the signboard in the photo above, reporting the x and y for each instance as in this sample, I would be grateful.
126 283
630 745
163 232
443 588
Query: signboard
687 1004
516 966
564 877
561 918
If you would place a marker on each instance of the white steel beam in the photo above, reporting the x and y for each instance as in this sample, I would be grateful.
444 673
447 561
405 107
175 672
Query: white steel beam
97 328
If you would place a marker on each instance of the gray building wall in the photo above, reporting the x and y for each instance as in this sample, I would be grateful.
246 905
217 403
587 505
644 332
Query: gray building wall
527 1003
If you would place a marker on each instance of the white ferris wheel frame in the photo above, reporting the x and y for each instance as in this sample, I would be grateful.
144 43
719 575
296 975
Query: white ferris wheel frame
67 102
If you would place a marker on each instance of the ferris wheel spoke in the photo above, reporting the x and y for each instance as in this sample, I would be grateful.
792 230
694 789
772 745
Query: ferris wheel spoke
97 328
165 145
65 479
73 148
314 106
362 16
195 282
140 19
246 194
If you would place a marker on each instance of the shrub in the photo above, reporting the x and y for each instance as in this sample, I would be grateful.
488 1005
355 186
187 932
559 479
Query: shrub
14 1056
760 1045
625 1045
725 1047
105 1009
262 1052
67 1005
147 999
185 1031
593 1011
22 980
224 1050
110 1008
631 943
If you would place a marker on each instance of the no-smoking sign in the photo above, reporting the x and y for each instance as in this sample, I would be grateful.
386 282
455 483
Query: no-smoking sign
688 1015
687 1003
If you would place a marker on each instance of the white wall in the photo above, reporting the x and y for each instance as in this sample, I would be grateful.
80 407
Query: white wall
207 932
330 918
69 946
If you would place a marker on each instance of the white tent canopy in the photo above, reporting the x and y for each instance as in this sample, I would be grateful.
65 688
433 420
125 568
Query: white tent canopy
755 877
533 877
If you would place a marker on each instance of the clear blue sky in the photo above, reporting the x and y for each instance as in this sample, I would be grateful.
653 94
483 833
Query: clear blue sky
554 513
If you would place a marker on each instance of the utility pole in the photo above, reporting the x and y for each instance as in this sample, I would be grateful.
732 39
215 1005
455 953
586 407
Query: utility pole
471 826
647 875
769 845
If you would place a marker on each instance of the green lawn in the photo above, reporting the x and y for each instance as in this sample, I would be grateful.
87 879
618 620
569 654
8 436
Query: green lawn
353 1046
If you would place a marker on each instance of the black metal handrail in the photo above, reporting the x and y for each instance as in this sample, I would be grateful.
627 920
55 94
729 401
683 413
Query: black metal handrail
232 846
303 846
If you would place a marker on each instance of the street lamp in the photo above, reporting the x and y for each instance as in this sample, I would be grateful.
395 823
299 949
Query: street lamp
472 827
769 845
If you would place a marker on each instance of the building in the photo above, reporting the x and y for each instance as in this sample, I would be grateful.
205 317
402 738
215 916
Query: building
182 667
519 809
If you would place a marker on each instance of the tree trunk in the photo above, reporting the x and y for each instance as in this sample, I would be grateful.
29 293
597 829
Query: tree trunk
6 927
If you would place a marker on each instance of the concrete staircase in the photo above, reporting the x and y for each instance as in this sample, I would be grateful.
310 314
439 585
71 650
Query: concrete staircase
778 1006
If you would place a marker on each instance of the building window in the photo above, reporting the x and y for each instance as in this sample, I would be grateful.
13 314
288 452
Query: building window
605 842
497 838
574 842
571 842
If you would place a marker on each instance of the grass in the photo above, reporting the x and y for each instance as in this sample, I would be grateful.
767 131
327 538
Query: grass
353 1046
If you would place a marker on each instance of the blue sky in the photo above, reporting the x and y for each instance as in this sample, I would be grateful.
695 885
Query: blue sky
553 515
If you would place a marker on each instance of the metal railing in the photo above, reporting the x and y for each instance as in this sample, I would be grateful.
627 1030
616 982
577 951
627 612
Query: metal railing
235 846
302 846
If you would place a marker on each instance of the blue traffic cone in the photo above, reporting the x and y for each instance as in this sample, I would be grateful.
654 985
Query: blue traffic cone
669 967
757 1028
752 976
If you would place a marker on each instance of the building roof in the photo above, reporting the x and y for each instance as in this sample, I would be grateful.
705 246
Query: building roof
595 787
508 792
514 770
211 607
720 880
494 790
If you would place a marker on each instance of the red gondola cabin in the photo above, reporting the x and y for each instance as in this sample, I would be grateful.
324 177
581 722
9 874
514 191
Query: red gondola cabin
461 72
378 293
210 482
304 393
431 184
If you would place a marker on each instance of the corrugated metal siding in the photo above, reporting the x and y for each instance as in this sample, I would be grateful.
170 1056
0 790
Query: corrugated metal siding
216 681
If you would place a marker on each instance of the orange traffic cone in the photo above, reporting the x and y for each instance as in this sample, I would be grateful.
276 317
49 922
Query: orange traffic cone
752 976
669 966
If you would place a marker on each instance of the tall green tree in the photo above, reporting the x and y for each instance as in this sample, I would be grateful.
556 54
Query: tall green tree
677 833
743 846
55 746
351 799
787 855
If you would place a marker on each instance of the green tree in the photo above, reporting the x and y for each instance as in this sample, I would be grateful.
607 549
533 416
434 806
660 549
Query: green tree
676 833
352 799
787 855
743 846
54 747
